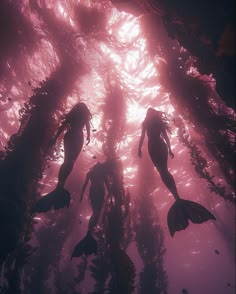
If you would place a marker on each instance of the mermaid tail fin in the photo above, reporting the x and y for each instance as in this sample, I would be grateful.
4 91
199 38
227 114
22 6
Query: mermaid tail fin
197 213
44 204
56 199
87 246
184 210
177 219
61 198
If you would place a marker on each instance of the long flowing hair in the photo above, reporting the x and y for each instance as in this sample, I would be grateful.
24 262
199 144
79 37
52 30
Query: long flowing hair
160 116
80 108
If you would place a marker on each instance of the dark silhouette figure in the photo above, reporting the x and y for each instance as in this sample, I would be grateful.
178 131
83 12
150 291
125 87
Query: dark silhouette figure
73 123
182 210
99 182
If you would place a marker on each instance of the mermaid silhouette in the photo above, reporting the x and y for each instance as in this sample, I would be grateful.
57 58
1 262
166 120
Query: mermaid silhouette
74 122
98 184
182 210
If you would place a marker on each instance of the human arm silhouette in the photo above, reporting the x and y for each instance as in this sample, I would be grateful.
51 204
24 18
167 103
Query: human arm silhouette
87 125
141 141
60 130
84 186
166 138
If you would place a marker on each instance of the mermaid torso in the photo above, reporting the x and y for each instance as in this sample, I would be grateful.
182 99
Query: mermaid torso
76 122
157 147
154 129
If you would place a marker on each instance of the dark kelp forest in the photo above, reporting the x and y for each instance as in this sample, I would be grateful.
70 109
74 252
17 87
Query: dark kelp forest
94 97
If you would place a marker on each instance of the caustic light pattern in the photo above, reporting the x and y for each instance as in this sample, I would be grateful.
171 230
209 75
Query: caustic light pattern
59 53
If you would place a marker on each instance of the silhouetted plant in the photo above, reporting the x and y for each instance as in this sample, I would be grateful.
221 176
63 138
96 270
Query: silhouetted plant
122 272
26 156
13 265
122 269
118 267
27 153
81 267
100 267
201 166
148 233
149 238
193 95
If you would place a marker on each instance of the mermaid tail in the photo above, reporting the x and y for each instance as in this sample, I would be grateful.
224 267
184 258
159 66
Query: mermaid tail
56 199
61 198
44 204
184 210
87 245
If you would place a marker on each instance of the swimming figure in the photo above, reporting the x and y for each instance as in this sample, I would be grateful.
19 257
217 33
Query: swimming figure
156 127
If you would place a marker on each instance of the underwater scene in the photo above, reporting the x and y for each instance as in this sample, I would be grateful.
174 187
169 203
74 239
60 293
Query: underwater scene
117 147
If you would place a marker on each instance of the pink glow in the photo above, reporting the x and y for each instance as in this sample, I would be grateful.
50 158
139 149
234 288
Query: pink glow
190 260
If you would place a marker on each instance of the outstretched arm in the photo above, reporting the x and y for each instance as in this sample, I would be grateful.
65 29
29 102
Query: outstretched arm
87 125
61 128
166 138
84 186
141 141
